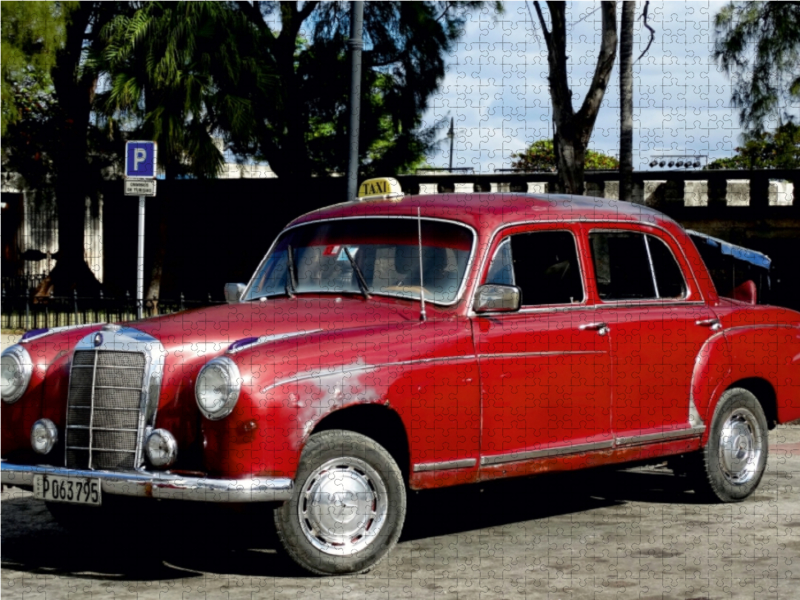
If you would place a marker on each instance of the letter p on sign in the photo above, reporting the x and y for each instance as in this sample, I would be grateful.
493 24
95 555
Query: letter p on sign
140 160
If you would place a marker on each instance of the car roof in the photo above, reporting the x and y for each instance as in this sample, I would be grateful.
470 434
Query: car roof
486 212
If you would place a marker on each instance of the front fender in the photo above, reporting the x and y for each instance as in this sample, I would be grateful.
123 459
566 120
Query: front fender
265 433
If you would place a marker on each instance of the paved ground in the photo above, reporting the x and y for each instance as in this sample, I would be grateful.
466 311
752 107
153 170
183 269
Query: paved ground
595 534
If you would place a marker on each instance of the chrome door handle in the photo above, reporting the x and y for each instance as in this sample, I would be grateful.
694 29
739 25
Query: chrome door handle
601 328
714 324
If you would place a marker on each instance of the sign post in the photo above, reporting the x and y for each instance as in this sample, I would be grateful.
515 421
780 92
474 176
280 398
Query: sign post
140 173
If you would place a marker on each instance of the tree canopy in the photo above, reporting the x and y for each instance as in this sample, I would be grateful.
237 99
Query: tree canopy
541 156
758 44
764 150
174 69
302 130
32 33
269 78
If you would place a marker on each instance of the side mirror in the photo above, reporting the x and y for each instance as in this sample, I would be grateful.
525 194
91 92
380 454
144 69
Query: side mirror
233 291
497 298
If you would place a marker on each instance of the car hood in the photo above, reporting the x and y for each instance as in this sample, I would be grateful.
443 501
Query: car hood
212 330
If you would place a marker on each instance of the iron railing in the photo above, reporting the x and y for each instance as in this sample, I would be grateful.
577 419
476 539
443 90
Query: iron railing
25 311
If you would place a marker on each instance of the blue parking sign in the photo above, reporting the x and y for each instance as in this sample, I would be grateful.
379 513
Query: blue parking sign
140 160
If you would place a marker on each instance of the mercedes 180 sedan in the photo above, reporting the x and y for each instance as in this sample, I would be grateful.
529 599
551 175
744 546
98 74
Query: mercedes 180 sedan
400 343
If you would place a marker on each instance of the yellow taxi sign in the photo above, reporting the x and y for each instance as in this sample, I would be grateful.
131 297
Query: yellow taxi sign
380 188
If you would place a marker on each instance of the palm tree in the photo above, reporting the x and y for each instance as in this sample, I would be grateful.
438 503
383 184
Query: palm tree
172 70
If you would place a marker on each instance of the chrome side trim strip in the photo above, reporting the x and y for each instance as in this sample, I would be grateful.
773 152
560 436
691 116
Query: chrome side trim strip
52 330
350 369
498 459
265 339
660 436
162 485
463 463
549 353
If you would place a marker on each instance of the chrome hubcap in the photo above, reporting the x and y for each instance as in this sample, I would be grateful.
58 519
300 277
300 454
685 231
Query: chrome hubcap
343 506
740 447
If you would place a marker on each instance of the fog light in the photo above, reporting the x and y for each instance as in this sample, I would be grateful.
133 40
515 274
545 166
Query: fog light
161 448
44 436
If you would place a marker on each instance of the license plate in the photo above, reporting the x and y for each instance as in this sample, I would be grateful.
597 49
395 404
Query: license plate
77 490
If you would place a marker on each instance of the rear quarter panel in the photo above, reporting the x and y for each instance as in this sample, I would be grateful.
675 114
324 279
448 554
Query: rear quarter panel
762 342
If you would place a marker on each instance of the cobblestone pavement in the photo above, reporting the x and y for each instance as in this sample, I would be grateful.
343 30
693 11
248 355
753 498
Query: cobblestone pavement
587 535
594 534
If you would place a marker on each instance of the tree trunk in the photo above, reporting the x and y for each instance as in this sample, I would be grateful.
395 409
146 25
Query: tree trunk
574 129
290 157
571 159
626 101
71 169
153 293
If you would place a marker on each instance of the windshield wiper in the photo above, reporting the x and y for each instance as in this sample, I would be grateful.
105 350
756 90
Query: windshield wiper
291 281
362 283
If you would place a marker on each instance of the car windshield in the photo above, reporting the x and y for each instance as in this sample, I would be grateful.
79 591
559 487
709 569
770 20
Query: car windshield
386 252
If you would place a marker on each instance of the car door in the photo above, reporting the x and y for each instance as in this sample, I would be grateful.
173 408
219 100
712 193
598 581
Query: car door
545 369
657 325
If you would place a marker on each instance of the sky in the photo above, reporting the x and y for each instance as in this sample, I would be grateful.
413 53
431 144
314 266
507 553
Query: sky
496 89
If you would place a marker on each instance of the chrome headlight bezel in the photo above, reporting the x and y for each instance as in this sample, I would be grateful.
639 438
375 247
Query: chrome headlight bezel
24 367
229 385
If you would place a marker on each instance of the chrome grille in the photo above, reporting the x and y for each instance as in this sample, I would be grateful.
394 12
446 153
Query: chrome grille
104 409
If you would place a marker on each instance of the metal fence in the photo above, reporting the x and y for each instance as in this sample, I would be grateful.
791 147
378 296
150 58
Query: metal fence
26 311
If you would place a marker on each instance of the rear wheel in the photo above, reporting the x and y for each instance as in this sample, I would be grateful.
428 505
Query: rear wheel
348 505
732 464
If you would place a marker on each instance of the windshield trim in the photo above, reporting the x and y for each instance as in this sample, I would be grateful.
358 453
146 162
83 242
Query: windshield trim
455 301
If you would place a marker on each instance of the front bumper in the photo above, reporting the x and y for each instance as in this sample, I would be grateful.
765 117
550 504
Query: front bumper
168 486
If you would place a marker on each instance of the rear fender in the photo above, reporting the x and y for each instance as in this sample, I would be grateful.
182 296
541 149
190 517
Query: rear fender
767 352
771 353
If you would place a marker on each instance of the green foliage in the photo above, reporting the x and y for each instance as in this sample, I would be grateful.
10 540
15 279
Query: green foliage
173 68
32 33
778 150
540 156
758 44
302 129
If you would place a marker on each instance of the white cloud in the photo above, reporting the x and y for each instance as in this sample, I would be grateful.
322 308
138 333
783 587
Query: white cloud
496 86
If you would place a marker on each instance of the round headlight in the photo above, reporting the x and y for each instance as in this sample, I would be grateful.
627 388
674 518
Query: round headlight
161 448
16 371
44 436
217 388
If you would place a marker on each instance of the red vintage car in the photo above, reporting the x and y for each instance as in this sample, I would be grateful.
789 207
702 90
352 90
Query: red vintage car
414 342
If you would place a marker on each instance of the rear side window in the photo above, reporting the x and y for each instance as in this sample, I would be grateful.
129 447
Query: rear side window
668 273
634 266
543 264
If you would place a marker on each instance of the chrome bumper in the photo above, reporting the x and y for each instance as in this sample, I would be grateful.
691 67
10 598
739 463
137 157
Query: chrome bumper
162 485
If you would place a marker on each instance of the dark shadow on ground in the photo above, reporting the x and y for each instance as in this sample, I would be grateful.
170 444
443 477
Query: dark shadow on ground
185 540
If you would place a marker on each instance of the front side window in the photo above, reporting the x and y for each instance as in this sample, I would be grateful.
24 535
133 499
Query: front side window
634 266
543 264
386 252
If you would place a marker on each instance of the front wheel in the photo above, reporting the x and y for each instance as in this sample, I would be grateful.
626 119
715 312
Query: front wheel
348 505
731 465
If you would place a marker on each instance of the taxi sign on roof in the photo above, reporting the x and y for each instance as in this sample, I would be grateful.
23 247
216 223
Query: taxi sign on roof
380 188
